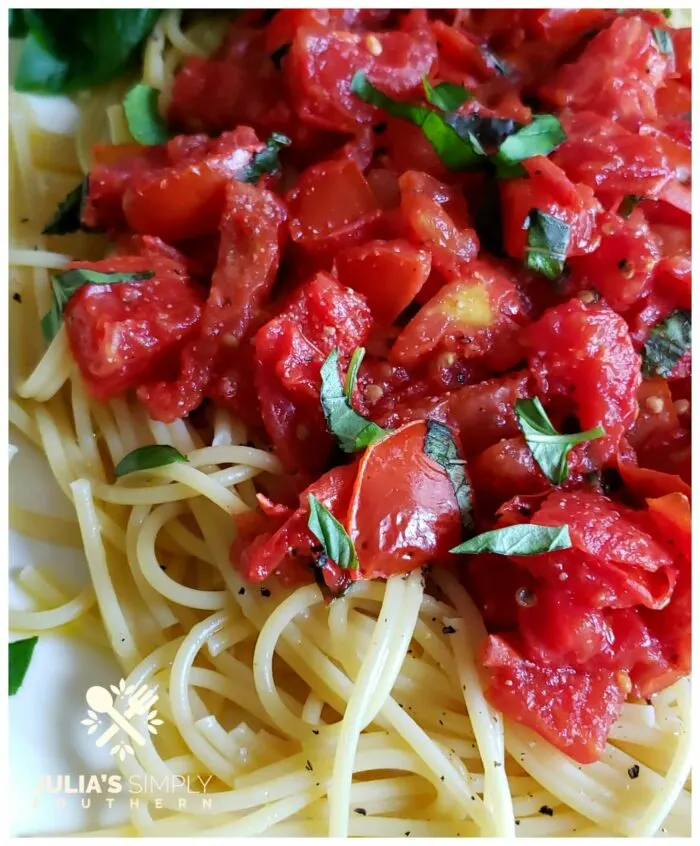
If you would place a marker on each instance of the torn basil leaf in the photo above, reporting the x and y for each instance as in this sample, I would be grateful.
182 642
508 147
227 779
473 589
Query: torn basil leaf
332 536
353 370
668 342
66 218
20 656
629 204
352 431
145 122
549 448
64 285
538 138
521 539
440 446
147 458
547 243
267 160
445 95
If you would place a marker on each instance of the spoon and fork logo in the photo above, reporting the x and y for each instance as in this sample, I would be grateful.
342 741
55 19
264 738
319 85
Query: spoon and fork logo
136 702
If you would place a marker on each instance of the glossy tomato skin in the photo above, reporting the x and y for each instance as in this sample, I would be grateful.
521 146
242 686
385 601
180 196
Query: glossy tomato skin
124 334
290 350
404 512
388 273
479 315
321 65
572 708
547 189
617 75
583 360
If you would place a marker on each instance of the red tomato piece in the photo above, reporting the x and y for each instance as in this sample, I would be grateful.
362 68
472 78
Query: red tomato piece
321 65
290 350
617 75
671 514
547 189
388 273
505 470
583 356
124 334
331 207
404 512
573 709
656 412
477 316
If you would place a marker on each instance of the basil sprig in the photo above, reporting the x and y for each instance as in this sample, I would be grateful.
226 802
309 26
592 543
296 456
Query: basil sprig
521 539
332 536
352 431
267 160
68 50
668 342
20 656
147 458
64 285
549 448
467 141
145 122
547 243
440 446
66 218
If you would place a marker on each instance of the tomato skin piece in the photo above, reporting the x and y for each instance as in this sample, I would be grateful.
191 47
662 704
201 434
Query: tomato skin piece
403 512
548 189
478 315
649 422
617 75
573 709
331 207
321 65
671 514
124 334
505 470
388 273
583 355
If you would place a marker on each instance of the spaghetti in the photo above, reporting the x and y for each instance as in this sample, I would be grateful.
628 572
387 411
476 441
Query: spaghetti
365 718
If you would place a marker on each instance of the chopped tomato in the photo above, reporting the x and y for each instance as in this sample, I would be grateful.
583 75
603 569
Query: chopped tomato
404 511
127 333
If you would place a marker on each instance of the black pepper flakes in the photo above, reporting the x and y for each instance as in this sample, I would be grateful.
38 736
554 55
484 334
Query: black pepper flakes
314 731
547 811
407 834
309 766
241 591
633 771
448 630
265 592
17 297
361 812
517 822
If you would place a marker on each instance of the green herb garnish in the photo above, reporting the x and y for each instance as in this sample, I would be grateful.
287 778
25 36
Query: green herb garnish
521 539
145 122
66 218
147 458
668 342
20 656
332 536
445 95
538 138
440 446
267 160
547 243
352 431
549 448
64 285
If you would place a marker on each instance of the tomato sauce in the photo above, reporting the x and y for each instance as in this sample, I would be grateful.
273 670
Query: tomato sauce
492 273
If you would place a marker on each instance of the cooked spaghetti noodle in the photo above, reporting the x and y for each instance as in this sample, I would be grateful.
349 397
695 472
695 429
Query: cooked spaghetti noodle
361 719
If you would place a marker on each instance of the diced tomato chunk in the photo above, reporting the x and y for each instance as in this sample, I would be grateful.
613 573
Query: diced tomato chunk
124 334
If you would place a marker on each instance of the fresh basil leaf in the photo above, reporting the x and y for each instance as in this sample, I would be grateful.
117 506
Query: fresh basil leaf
147 458
547 243
352 431
20 656
332 536
628 204
69 50
145 122
664 42
440 446
537 138
64 285
521 539
667 13
484 134
456 152
445 95
267 160
18 24
66 218
668 341
353 369
549 448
